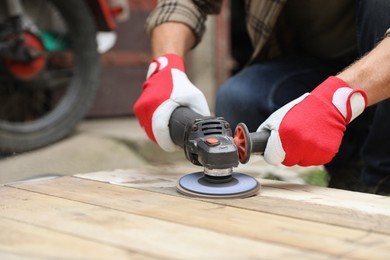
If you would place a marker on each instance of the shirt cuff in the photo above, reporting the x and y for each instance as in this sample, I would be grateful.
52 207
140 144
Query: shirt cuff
178 11
387 33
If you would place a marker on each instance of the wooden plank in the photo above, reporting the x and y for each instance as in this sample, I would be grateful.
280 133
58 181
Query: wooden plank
144 235
292 232
280 189
351 209
337 207
19 240
333 206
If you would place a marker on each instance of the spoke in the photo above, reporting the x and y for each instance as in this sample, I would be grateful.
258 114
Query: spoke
38 14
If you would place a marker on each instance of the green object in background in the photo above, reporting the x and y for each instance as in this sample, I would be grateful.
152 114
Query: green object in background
54 42
316 177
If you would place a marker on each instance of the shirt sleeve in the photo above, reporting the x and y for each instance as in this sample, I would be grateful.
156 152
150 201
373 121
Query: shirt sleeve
192 13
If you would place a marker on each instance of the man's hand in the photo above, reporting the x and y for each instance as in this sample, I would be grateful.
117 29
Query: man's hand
308 130
166 88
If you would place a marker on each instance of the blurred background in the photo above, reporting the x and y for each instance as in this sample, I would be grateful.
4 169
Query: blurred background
37 136
124 66
50 65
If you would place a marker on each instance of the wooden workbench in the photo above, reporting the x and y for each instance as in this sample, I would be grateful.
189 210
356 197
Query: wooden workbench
137 214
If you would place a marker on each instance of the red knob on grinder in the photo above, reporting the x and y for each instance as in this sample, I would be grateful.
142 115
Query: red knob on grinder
248 143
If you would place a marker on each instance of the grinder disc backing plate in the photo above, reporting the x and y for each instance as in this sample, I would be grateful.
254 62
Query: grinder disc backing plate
240 186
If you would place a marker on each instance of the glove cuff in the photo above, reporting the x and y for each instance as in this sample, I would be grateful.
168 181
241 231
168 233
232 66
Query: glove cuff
165 61
349 102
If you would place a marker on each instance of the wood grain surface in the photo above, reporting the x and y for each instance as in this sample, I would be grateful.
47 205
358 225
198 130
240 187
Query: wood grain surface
136 215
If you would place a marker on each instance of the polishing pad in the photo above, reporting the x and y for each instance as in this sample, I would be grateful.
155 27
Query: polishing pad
239 186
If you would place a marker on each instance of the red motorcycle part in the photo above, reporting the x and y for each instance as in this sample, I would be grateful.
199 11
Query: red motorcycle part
29 69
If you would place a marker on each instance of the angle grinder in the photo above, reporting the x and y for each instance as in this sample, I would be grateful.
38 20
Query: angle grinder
208 142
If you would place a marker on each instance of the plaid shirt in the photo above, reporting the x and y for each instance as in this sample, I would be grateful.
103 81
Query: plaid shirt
262 16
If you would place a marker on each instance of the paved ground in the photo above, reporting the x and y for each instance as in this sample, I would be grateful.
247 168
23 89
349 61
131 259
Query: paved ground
110 144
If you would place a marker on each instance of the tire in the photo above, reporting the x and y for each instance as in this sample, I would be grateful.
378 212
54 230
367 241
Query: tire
77 94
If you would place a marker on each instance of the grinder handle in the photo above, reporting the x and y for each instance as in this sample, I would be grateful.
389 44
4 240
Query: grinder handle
259 141
178 123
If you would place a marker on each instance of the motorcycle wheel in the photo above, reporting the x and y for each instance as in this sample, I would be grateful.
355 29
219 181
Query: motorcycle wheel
41 109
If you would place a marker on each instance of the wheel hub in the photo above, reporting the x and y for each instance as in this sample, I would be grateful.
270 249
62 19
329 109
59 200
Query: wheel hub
26 61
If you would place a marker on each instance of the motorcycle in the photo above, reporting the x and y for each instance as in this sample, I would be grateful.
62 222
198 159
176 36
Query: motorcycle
49 67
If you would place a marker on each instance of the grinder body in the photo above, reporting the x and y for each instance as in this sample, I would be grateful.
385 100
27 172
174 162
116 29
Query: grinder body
208 142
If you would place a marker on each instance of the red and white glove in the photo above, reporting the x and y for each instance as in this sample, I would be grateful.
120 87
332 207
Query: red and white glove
308 130
166 88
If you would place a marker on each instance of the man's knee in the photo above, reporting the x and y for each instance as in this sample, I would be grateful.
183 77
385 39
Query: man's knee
224 97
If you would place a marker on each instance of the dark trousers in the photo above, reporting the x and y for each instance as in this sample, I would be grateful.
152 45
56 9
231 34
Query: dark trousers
255 92
373 21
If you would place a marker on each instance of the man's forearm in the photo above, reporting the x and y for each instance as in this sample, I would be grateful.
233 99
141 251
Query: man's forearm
371 73
175 38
